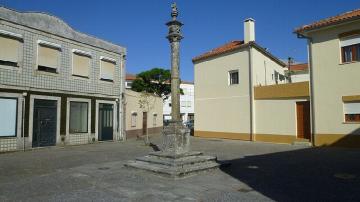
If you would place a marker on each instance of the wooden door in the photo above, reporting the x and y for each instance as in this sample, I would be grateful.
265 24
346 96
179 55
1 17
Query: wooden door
303 119
105 122
144 123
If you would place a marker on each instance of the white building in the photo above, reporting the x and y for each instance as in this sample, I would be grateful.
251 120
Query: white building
186 103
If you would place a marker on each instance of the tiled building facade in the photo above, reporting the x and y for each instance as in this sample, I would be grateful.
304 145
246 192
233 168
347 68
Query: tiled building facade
57 86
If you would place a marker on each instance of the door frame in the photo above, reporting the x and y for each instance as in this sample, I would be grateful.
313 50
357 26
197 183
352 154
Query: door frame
296 121
115 135
31 115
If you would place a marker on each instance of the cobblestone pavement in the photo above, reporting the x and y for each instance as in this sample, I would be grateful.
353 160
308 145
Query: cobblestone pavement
257 172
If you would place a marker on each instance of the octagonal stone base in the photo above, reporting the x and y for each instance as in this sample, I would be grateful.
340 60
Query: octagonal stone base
175 160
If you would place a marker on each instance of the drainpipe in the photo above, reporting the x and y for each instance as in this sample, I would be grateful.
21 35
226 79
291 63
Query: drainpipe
122 99
311 83
251 93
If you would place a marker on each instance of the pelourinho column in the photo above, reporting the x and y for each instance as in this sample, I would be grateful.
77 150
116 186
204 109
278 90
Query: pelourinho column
174 38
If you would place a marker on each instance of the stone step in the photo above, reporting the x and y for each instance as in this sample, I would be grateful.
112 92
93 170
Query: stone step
176 162
174 156
175 172
302 143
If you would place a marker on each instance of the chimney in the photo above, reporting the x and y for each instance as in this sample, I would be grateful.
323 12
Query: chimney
249 30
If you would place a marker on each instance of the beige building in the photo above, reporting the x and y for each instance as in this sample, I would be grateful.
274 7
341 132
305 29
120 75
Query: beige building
334 56
241 93
137 118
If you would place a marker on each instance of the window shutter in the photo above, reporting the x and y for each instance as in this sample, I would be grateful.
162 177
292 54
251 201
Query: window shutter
351 108
81 65
351 40
48 57
9 49
107 70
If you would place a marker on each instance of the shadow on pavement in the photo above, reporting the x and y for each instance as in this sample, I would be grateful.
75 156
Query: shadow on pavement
311 174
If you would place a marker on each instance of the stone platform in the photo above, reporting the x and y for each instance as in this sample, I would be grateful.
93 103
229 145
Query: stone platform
174 165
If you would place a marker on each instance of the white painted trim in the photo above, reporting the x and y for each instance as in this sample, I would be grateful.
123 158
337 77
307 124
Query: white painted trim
11 34
57 91
68 114
107 59
84 53
49 44
115 122
20 100
31 115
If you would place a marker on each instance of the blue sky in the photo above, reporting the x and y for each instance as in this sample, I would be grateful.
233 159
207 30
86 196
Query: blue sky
139 25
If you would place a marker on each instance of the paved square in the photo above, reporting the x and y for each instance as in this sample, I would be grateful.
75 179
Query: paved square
258 172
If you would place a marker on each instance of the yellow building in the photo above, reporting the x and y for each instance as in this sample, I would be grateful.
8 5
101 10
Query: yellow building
334 56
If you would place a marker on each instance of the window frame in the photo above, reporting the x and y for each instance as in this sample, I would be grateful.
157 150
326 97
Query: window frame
84 54
87 116
16 116
20 39
48 45
133 120
354 48
345 119
230 73
111 60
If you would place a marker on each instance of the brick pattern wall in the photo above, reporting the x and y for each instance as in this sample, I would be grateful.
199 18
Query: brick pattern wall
28 76
8 144
75 139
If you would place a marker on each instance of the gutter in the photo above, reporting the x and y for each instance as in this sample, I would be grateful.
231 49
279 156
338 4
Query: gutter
311 86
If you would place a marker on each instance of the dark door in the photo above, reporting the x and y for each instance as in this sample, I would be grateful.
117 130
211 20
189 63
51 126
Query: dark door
106 115
144 123
303 119
44 123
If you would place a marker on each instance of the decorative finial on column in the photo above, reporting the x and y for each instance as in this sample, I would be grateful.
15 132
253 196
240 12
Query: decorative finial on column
174 11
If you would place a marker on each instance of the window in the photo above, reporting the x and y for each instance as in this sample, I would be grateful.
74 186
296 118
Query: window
8 113
233 77
128 84
48 57
352 111
350 48
78 117
9 51
107 71
133 119
81 64
169 104
154 119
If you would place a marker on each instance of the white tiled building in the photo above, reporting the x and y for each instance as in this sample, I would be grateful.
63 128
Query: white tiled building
186 103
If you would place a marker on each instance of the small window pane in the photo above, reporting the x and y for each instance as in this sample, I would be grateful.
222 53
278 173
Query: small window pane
8 117
78 117
234 77
133 120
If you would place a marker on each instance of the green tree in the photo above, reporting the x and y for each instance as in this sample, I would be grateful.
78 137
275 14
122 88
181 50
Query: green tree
155 81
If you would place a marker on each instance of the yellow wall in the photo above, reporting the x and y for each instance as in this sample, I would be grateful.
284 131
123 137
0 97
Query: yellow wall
331 81
132 105
220 107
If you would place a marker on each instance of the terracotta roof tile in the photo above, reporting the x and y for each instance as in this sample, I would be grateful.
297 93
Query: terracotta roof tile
219 50
130 77
331 20
299 67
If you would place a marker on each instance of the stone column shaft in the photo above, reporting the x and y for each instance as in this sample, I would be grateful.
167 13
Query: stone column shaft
175 81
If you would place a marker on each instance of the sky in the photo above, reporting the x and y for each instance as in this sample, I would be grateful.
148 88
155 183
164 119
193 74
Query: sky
139 25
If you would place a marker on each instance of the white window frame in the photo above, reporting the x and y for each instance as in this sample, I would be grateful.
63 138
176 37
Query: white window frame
20 100
20 50
82 53
229 77
68 115
107 59
357 111
50 45
133 119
